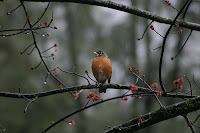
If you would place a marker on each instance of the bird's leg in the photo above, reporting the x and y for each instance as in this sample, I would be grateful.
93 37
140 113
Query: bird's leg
98 84
102 87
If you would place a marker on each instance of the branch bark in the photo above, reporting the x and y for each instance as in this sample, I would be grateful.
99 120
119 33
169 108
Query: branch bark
182 108
128 9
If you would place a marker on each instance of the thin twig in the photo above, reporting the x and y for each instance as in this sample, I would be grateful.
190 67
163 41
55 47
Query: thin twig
156 48
189 124
158 33
26 48
91 78
195 83
47 49
9 12
30 101
137 79
183 45
189 84
196 118
73 72
148 87
9 35
174 8
27 29
145 30
37 65
195 125
42 14
87 103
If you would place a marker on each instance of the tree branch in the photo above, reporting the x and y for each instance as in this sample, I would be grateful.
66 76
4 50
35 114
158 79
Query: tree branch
83 109
128 9
76 88
182 108
164 43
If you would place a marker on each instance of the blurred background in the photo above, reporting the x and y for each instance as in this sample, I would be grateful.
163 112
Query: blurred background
83 29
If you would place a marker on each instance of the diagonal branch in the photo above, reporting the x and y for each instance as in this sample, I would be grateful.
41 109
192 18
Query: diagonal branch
182 108
83 109
128 9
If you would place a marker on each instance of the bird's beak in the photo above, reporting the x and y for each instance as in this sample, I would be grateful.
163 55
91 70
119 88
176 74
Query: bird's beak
95 53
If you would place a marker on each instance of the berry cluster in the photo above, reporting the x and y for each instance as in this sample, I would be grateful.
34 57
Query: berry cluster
93 96
178 83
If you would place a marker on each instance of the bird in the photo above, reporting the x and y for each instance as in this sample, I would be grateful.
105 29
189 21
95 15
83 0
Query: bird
102 68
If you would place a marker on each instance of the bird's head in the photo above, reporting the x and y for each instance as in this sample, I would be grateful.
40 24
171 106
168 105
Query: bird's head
100 53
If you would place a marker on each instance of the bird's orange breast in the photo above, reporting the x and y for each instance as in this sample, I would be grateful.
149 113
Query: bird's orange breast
102 68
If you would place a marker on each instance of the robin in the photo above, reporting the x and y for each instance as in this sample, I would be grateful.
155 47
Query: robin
102 68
